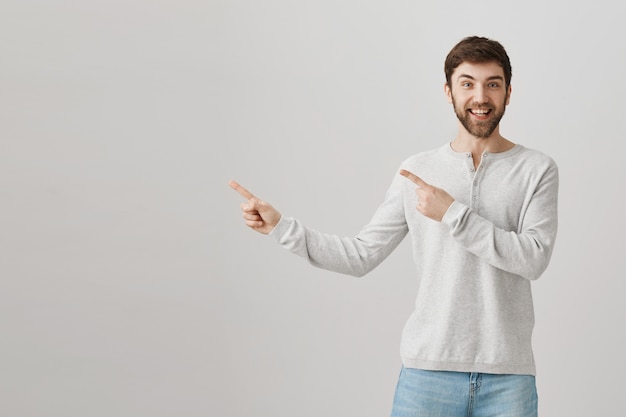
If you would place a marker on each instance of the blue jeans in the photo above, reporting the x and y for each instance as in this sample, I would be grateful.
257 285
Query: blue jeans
461 394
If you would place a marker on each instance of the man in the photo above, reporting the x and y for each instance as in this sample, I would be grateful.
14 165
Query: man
482 214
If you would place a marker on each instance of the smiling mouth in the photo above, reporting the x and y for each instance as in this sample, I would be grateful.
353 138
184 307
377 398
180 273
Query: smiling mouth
480 112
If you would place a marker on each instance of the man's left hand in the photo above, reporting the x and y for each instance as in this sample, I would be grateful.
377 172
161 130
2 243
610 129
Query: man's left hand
432 202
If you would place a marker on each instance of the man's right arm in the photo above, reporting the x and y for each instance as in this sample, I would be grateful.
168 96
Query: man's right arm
355 256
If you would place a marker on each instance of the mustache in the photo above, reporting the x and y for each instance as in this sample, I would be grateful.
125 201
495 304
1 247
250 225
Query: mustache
479 106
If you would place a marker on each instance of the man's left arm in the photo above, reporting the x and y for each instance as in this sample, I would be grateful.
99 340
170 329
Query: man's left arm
526 252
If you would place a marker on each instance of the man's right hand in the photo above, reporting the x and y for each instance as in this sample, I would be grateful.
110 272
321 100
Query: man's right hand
258 214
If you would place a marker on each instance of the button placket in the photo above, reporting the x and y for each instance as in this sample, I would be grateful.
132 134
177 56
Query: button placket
470 161
475 182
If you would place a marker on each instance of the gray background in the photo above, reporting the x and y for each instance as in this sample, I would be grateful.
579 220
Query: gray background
131 287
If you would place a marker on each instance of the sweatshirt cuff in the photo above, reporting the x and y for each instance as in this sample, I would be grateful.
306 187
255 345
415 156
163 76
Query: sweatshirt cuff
281 228
454 213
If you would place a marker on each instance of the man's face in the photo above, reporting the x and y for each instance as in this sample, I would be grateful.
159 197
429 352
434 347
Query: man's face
479 95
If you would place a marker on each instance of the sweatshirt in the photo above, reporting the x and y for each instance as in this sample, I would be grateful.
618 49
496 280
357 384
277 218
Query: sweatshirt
473 310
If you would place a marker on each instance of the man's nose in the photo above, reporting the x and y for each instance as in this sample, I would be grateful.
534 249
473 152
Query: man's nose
480 95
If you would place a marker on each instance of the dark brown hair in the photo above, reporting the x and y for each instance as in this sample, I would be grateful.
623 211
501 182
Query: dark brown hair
477 50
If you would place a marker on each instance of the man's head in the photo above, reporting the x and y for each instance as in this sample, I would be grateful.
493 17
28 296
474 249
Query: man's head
477 50
478 84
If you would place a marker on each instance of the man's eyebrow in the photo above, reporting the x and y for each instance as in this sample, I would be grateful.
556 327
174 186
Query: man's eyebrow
493 77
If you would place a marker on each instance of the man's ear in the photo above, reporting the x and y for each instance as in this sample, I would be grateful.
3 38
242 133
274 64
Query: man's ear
508 95
448 91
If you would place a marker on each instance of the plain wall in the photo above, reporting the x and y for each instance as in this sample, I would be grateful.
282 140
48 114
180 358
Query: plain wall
129 285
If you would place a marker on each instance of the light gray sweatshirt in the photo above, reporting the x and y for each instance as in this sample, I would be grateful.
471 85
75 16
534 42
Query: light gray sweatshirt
474 308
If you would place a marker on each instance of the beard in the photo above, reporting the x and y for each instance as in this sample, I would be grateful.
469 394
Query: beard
477 128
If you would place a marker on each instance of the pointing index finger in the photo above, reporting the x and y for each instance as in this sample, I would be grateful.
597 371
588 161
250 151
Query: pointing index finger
244 193
417 180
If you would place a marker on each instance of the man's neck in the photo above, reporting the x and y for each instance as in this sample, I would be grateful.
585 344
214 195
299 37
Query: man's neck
495 143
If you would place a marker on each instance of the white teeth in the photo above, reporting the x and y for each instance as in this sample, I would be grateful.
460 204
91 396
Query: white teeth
480 111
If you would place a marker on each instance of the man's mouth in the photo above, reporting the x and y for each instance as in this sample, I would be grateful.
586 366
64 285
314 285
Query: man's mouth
480 114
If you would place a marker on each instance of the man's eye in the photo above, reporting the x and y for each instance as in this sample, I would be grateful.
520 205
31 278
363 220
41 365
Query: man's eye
466 84
493 85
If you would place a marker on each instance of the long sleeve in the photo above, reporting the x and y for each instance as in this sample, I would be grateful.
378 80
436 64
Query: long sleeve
525 251
349 255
